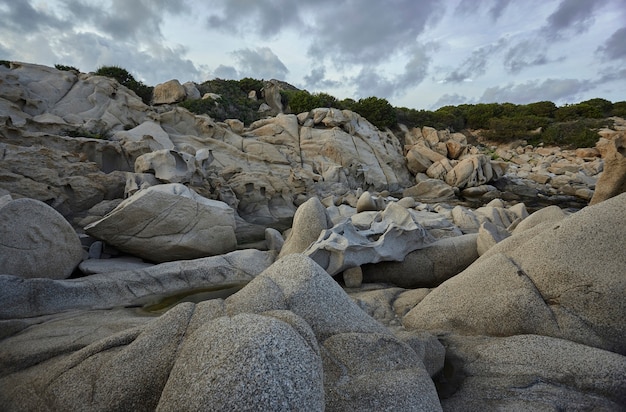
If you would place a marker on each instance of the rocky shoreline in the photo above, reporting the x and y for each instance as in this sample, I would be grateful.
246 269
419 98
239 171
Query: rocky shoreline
152 259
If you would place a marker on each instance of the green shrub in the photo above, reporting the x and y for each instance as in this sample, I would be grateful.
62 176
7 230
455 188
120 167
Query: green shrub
573 134
5 63
66 68
377 111
508 129
300 101
234 102
126 79
619 109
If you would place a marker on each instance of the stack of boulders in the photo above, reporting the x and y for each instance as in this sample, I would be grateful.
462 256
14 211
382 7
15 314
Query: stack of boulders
444 163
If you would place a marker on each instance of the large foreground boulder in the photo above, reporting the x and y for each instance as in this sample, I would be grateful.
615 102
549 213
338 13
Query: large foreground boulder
36 241
168 222
564 280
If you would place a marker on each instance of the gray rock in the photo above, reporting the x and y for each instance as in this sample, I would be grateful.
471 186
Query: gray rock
531 373
488 235
36 241
564 280
365 366
169 92
24 298
274 240
366 203
119 264
612 181
548 215
426 267
166 223
125 369
258 362
388 235
308 222
353 277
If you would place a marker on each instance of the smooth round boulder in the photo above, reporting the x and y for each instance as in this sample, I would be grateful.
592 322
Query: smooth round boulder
36 241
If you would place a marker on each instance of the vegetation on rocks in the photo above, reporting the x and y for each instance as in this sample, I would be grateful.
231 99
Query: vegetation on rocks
65 68
233 103
126 79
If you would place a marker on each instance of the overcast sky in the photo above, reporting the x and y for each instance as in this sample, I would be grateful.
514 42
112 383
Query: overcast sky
420 54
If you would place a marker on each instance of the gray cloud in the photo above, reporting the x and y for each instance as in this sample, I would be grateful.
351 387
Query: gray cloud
524 54
226 72
316 79
260 63
126 20
615 46
476 64
372 31
556 90
21 17
371 82
450 100
571 15
267 17
496 8
359 32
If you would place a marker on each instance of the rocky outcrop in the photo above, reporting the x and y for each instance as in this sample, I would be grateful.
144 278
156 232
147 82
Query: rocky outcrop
168 222
447 157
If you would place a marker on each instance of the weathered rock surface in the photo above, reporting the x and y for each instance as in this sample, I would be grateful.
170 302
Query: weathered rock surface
365 366
23 298
292 335
168 222
36 241
428 266
369 237
169 92
260 362
612 181
308 222
531 372
565 280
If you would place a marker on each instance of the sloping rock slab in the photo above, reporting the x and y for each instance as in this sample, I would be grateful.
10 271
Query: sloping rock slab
565 280
22 298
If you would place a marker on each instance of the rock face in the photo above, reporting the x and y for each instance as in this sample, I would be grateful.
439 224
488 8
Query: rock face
537 375
36 241
564 280
612 181
168 222
365 366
